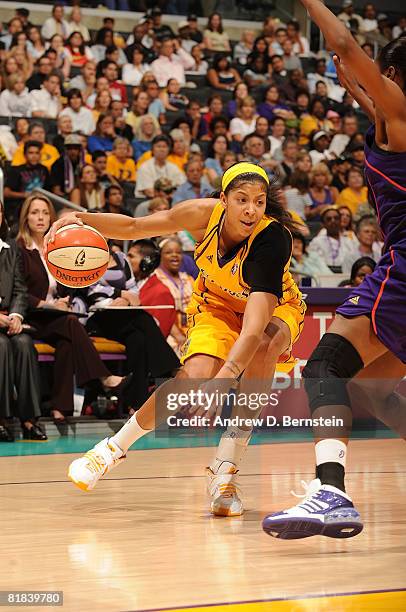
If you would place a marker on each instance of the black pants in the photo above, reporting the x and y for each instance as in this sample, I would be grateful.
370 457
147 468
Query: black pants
148 353
19 369
75 354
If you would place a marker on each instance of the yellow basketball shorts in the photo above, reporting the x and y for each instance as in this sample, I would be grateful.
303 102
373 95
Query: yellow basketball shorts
213 329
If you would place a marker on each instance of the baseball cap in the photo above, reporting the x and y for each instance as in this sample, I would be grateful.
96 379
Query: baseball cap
156 11
318 135
183 24
382 17
191 17
72 140
332 114
347 3
328 209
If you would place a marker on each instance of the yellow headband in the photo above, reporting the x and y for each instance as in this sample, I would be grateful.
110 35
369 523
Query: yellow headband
241 168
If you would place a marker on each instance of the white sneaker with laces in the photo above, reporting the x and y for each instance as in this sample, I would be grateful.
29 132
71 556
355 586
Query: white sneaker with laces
86 471
223 490
324 510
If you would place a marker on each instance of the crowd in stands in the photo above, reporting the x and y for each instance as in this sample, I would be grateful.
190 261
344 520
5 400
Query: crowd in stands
135 124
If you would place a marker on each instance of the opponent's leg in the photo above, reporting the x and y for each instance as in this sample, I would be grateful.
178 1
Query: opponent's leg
257 378
86 471
374 388
327 509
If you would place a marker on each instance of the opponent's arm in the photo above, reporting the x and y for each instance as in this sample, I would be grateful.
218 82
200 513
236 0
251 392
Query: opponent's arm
385 93
191 215
257 315
349 82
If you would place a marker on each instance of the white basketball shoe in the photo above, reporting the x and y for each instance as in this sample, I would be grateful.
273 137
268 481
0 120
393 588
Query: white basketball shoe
223 490
86 471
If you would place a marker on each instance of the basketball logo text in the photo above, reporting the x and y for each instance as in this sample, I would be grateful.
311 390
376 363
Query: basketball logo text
81 258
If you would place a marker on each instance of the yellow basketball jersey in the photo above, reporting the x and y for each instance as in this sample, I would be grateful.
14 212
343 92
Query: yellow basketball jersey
224 284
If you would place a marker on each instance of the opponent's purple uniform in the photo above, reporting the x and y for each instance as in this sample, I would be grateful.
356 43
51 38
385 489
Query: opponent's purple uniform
382 294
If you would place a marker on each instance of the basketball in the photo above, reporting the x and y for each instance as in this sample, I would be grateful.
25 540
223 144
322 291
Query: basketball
78 257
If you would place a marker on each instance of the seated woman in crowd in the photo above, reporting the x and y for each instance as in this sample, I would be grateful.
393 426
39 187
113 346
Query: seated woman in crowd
366 243
171 97
346 222
148 354
218 147
240 92
272 107
15 101
214 37
81 116
134 71
356 192
89 193
222 75
259 70
180 284
102 103
78 53
139 108
50 315
297 193
361 268
36 44
104 135
148 127
316 120
306 266
245 121
321 192
18 358
243 48
25 63
9 67
62 57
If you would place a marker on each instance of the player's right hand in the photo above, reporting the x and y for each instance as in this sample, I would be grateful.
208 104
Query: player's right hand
69 219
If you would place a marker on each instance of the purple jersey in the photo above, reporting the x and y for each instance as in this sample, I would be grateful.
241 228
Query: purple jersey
382 294
386 179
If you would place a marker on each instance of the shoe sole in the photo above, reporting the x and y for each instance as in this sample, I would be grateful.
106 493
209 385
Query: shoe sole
225 512
297 528
81 485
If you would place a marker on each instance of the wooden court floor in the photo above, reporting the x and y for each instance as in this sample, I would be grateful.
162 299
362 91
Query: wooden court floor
143 539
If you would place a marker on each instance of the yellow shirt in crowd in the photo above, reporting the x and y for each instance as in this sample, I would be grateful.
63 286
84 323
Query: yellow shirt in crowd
352 199
49 154
123 171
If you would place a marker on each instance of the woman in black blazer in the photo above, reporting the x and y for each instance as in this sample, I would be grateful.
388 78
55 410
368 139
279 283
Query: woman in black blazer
50 314
18 358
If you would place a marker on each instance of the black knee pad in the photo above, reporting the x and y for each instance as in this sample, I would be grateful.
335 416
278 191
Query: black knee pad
333 362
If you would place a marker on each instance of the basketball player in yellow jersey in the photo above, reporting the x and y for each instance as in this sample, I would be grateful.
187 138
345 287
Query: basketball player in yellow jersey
244 316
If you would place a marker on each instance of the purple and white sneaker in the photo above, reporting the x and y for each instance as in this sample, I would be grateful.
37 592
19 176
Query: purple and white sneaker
325 510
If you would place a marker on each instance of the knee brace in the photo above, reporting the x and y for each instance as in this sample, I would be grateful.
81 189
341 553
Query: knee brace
331 365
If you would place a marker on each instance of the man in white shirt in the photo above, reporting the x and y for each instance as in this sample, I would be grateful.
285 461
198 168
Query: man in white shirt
341 140
171 63
157 167
331 247
370 22
45 101
347 14
55 24
320 75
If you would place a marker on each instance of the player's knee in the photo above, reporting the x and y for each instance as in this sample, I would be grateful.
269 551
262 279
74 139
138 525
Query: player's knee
332 364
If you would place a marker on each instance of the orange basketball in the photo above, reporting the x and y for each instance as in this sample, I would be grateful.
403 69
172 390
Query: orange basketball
78 257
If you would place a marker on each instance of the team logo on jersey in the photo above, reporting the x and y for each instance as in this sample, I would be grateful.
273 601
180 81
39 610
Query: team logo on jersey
234 268
354 300
210 258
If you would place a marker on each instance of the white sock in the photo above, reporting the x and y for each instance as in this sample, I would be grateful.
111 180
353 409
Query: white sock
331 451
231 449
129 433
